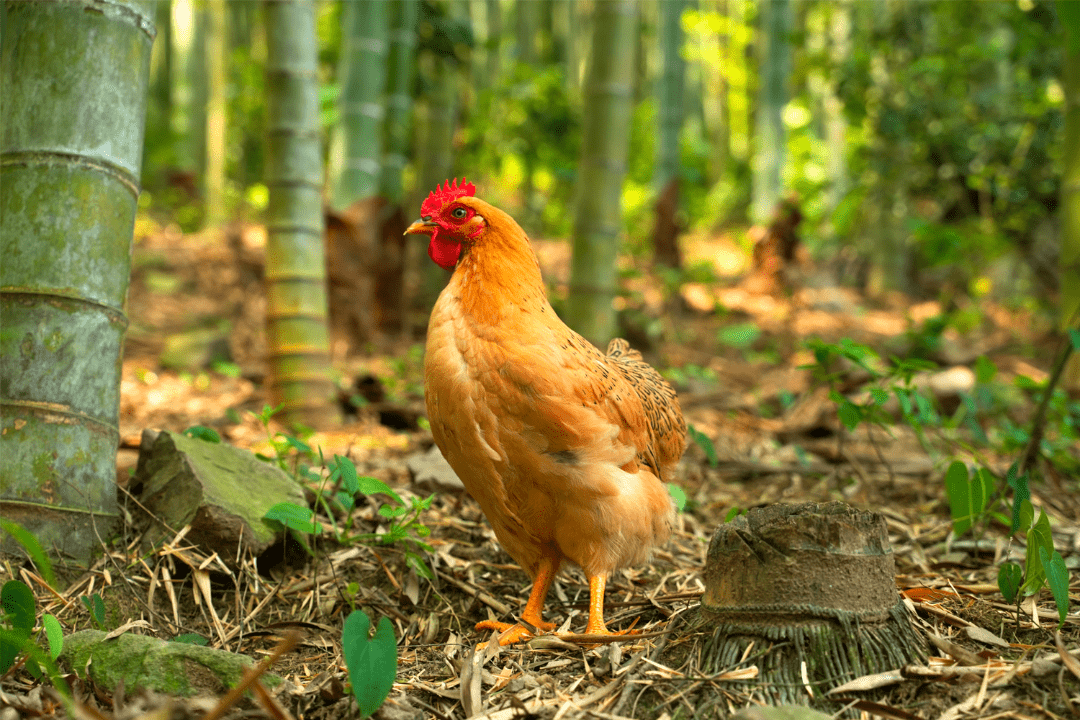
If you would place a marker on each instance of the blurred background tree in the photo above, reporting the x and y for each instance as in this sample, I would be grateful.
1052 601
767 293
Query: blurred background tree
922 142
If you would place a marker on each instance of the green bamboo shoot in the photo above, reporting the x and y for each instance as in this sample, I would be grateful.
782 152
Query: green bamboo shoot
295 266
73 93
605 148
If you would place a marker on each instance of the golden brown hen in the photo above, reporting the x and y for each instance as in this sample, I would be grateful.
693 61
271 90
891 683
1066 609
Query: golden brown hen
566 449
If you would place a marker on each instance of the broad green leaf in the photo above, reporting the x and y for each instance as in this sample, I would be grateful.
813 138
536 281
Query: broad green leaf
17 606
982 487
370 486
1074 333
294 517
1010 577
850 415
33 549
1038 537
201 432
54 634
347 469
880 395
191 639
17 601
958 489
1057 577
11 644
732 514
371 661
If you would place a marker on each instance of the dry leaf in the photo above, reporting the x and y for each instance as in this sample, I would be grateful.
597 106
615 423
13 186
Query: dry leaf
1067 659
978 634
869 682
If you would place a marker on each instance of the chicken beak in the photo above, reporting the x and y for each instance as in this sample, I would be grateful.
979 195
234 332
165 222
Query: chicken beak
421 227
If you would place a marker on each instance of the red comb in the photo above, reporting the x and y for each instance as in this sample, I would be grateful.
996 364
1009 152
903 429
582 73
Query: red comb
445 194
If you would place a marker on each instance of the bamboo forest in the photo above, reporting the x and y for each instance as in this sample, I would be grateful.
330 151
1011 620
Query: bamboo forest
553 359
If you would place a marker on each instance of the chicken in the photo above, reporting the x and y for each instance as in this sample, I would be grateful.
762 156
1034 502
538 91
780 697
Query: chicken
565 449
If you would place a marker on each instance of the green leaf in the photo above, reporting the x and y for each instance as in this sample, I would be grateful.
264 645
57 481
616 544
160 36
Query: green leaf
880 395
1057 577
904 398
392 512
417 563
96 606
733 513
370 486
201 432
294 517
1038 538
702 441
267 413
982 487
850 414
11 644
1010 577
17 604
347 469
54 634
297 444
926 412
191 639
1027 515
346 500
1020 494
33 549
1074 333
958 489
371 662
678 495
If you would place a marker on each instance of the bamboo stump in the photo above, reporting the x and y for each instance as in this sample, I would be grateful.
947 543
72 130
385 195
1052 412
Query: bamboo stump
809 590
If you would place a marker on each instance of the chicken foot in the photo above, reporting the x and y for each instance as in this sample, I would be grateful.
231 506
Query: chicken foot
510 633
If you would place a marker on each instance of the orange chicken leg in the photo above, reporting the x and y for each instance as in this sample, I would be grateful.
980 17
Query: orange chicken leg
596 626
510 633
516 632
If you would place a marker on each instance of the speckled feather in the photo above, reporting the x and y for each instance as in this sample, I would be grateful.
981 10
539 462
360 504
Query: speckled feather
565 448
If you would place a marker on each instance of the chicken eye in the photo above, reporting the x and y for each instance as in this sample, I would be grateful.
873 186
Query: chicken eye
458 213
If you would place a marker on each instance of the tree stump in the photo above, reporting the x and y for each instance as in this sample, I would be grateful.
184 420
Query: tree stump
811 588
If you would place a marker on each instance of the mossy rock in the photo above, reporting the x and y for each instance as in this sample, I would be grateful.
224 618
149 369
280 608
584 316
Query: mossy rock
139 661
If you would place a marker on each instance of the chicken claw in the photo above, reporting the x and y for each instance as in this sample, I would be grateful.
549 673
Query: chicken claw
510 633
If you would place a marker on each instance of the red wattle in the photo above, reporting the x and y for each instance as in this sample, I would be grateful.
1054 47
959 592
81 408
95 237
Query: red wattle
445 253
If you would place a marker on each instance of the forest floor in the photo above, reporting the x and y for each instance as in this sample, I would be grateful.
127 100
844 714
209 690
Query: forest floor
736 350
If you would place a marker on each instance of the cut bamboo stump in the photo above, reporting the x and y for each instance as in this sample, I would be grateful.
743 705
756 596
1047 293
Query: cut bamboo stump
808 593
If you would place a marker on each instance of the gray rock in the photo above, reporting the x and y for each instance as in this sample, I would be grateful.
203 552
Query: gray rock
223 492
